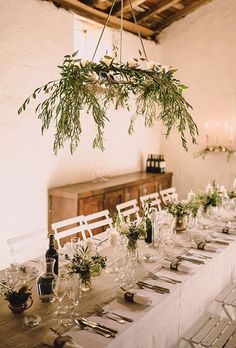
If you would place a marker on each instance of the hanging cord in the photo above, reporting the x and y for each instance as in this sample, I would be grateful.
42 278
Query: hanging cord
121 28
103 29
136 24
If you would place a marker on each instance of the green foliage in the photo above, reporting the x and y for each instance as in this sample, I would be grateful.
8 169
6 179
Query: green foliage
15 297
232 194
211 199
96 86
85 264
193 205
177 209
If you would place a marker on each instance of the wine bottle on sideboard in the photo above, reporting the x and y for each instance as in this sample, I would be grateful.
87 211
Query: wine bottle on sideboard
52 253
162 164
148 164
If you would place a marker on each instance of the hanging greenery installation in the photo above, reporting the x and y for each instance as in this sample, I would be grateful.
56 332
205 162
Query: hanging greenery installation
95 87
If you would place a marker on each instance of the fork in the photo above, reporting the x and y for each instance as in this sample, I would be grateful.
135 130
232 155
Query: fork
163 278
101 313
97 308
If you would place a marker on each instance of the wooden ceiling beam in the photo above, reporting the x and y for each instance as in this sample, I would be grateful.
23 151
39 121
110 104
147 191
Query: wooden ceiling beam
100 17
126 6
161 6
180 14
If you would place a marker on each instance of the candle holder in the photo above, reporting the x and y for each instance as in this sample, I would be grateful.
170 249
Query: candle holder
209 149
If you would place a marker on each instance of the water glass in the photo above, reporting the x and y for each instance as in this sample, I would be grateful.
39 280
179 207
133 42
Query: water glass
75 293
12 275
60 290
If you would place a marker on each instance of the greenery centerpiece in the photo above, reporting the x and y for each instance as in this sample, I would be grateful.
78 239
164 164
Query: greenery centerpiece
132 230
17 298
86 265
95 87
179 210
211 198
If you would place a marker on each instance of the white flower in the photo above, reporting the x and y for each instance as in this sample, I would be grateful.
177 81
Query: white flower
107 60
93 75
84 62
151 65
131 62
166 68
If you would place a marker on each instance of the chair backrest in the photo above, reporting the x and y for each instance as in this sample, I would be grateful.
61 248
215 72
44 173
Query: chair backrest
68 228
129 209
169 195
98 220
27 246
153 199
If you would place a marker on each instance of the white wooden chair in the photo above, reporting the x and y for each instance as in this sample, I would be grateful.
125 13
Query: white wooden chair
227 298
129 209
97 221
154 200
27 246
169 195
67 228
213 331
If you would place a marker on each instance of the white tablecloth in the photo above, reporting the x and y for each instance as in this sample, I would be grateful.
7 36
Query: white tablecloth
162 324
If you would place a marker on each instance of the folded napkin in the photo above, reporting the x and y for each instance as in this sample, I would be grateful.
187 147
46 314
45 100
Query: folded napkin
176 266
228 230
51 339
204 246
229 217
134 297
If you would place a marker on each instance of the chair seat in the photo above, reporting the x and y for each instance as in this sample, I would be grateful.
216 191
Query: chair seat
213 331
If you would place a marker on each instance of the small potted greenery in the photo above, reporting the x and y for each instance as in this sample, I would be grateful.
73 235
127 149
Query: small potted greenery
179 211
18 299
86 265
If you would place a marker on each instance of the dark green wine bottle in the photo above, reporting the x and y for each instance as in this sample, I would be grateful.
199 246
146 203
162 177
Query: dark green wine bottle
52 253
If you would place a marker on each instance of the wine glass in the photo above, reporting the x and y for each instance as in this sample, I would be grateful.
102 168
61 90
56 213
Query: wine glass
75 293
60 290
113 237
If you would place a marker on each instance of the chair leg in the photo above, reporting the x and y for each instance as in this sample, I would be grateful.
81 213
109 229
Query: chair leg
226 312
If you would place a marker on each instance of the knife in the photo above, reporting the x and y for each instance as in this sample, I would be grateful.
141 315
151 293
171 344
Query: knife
95 324
189 259
154 287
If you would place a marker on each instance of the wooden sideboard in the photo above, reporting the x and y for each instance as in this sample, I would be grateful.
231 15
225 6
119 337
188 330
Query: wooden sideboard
90 197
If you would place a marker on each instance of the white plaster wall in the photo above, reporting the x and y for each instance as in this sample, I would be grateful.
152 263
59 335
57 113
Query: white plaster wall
34 36
203 48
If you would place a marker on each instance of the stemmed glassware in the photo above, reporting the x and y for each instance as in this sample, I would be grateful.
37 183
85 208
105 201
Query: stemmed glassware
60 290
113 237
75 293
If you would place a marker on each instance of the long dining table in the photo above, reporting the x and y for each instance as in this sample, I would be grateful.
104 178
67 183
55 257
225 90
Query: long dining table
159 325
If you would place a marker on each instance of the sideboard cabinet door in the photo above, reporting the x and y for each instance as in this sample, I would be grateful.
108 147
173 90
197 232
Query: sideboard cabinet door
111 199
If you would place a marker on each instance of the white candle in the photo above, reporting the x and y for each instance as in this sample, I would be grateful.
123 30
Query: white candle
209 188
191 195
91 245
234 184
114 235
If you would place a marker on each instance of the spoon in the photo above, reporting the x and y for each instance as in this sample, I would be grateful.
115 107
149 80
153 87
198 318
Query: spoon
97 330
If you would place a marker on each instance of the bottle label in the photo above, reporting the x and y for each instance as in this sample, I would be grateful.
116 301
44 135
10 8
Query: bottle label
162 164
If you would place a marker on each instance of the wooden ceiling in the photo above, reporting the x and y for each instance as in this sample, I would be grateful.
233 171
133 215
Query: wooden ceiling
152 16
